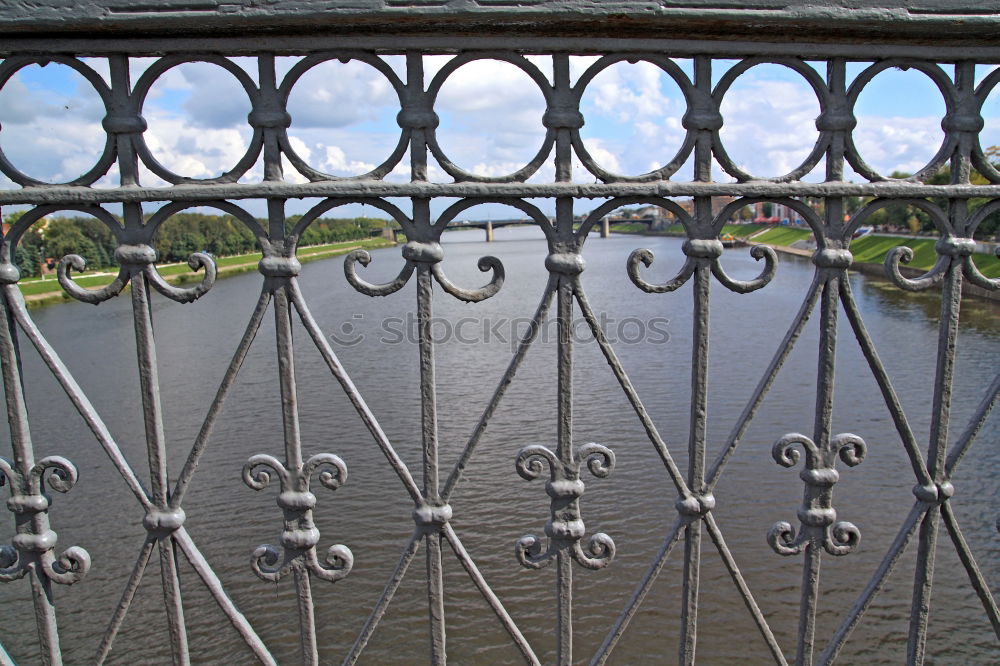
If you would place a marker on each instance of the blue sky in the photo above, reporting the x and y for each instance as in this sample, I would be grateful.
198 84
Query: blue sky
344 119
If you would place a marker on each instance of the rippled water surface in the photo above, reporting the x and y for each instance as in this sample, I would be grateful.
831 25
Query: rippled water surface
493 506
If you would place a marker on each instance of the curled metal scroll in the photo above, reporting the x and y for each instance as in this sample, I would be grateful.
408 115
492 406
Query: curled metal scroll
74 262
758 252
364 258
429 253
185 294
974 276
903 254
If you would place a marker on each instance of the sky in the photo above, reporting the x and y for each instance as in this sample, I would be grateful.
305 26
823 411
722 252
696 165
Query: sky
343 121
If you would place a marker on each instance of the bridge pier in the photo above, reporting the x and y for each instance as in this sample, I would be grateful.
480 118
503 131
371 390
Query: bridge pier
489 232
605 228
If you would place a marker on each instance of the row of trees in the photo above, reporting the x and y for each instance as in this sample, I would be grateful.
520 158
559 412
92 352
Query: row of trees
176 239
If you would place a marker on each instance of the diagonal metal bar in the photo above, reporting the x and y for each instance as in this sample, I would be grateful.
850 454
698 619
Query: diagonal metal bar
875 585
976 423
125 603
734 572
505 381
641 590
633 397
969 562
885 385
409 552
784 349
214 585
77 397
352 393
228 380
488 594
5 658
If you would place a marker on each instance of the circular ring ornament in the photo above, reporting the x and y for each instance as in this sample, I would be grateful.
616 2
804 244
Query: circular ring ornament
818 86
948 92
690 96
979 159
296 73
146 82
9 67
525 65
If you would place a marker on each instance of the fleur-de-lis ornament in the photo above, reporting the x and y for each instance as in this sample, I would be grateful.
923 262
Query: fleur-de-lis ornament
817 515
565 528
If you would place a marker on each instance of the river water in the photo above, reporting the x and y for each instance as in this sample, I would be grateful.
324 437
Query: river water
493 506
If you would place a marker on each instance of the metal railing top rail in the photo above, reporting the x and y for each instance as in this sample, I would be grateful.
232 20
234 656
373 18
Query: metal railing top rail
966 22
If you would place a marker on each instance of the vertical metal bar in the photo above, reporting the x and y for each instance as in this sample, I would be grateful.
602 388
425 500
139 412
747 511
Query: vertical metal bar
418 137
564 434
564 137
836 78
45 615
699 382
150 389
829 303
123 105
285 348
429 439
156 449
273 169
307 630
696 443
24 461
286 374
170 578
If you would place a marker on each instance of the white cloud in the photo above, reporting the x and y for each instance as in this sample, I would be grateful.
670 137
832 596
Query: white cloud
895 143
194 153
770 126
334 94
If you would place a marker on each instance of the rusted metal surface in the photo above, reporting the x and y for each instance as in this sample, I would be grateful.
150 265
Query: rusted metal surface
33 554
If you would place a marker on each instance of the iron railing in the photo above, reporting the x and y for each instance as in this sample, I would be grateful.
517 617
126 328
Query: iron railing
35 556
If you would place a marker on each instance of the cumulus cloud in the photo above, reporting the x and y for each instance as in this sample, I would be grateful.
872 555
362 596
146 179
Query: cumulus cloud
334 94
897 143
769 125
194 152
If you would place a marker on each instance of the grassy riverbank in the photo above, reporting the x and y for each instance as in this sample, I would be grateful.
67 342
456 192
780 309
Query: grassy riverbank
873 248
39 291
734 230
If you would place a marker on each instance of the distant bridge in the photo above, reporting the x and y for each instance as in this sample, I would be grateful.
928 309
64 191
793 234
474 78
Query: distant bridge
489 225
